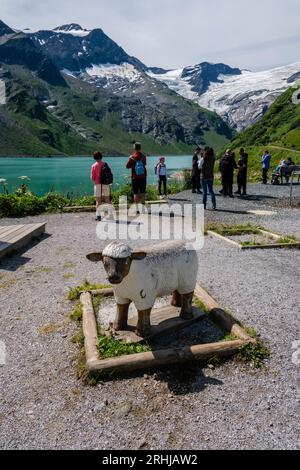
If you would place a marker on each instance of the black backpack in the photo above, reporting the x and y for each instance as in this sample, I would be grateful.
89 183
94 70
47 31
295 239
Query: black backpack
106 175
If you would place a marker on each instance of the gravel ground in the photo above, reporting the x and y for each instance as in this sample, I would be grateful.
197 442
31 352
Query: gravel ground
44 406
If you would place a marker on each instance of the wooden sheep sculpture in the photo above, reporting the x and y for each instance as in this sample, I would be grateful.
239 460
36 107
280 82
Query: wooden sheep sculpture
140 277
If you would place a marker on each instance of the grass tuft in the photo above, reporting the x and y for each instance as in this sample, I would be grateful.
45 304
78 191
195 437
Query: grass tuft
254 354
75 292
109 347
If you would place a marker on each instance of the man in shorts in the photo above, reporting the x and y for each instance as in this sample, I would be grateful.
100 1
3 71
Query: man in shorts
137 164
101 191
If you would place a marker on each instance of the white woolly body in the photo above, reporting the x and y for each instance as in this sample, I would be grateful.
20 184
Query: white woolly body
162 272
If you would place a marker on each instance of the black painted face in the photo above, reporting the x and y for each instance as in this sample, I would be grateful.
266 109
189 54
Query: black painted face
117 269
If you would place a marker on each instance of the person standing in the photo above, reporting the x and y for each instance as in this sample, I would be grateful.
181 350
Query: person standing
196 172
266 164
207 165
227 167
161 172
242 173
137 164
101 175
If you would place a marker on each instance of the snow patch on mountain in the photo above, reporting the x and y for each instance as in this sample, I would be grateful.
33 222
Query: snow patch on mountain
175 82
259 83
112 72
73 29
239 99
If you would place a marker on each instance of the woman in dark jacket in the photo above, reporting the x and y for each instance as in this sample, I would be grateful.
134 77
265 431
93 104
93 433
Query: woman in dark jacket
207 169
196 172
227 167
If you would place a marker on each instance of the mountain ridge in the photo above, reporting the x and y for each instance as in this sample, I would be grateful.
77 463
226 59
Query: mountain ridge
105 105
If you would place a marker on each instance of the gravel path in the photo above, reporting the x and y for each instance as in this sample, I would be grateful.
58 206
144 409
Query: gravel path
44 406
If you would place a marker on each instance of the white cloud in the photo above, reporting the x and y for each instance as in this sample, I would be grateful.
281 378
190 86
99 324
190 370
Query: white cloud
173 33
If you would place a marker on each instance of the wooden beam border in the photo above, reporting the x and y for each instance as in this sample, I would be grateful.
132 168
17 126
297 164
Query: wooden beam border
155 359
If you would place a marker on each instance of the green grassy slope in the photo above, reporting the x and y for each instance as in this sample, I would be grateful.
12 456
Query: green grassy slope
278 131
280 125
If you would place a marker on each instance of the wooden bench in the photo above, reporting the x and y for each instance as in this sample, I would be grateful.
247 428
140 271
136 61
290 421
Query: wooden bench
295 172
286 172
14 237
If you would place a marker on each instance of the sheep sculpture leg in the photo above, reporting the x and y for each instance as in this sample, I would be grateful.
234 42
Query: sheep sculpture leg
121 320
176 299
144 325
187 306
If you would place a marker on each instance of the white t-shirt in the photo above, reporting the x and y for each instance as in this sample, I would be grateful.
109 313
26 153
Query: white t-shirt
200 163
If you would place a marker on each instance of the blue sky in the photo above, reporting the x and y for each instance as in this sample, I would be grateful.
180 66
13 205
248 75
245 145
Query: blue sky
255 34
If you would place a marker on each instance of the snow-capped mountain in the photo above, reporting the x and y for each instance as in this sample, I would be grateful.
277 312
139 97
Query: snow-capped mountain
241 98
81 83
73 48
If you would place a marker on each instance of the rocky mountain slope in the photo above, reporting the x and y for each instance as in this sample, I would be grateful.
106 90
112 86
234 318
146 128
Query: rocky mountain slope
71 90
241 98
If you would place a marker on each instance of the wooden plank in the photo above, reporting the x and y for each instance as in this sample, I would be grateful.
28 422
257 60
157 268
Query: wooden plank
20 240
6 228
275 236
10 230
148 360
32 229
108 292
205 298
217 235
17 232
89 326
225 321
271 246
163 320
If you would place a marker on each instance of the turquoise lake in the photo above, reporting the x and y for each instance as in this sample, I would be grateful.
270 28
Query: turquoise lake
72 174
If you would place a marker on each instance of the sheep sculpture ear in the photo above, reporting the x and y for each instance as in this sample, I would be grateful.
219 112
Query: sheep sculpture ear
138 256
95 257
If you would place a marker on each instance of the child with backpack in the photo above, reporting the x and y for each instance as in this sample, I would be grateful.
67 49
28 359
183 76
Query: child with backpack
161 172
102 177
137 164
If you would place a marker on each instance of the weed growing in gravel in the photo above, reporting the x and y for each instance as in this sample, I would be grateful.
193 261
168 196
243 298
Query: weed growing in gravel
69 266
78 338
53 327
74 292
7 283
288 239
254 354
76 314
243 229
109 347
68 275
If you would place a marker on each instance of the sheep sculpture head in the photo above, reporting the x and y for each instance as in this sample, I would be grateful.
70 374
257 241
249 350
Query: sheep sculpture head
117 259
